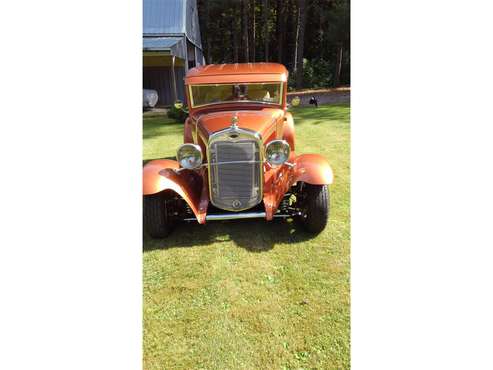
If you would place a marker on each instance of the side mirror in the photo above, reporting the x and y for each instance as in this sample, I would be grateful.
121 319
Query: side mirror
295 101
178 104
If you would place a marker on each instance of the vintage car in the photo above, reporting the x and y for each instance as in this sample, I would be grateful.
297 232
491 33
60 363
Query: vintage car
238 160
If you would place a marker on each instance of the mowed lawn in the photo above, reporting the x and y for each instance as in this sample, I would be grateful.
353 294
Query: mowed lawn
252 294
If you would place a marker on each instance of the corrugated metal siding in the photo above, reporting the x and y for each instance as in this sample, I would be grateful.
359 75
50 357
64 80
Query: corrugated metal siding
159 79
164 17
192 23
176 45
172 17
179 49
159 43
200 57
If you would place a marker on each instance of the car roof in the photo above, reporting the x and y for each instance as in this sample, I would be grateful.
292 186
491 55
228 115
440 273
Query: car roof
237 68
239 72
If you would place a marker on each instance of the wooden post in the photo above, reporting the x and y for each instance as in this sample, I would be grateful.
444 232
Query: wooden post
173 79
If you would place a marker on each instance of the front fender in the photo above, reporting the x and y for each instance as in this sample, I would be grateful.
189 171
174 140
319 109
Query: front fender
313 169
310 168
160 175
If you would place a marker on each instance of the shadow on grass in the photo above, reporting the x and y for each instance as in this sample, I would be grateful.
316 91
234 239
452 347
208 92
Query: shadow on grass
323 113
253 235
145 161
160 120
157 131
154 126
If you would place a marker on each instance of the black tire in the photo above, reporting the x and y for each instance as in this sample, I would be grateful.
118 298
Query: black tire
157 222
315 208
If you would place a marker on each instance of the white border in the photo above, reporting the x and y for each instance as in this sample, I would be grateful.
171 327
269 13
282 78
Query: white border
422 186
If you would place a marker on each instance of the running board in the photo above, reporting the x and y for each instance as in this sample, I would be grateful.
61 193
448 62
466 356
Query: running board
236 216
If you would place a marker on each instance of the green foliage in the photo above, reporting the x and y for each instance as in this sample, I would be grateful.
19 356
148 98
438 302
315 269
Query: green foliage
291 82
327 30
317 73
177 114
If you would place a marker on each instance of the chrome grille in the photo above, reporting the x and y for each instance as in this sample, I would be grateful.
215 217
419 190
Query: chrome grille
235 174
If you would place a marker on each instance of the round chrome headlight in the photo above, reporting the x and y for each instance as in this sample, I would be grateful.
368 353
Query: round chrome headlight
277 152
189 156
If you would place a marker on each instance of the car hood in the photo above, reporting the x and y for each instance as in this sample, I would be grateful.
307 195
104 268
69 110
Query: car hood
264 121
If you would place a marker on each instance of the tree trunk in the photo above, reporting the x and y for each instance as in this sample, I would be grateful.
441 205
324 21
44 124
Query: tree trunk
281 30
244 23
265 17
234 35
337 79
206 31
300 43
253 32
291 34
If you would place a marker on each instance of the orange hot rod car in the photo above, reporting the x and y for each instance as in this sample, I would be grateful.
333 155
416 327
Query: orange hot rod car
238 159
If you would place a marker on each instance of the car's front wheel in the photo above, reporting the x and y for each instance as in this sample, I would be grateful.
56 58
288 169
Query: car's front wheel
157 216
314 207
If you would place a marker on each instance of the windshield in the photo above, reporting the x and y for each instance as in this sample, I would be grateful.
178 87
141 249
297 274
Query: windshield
266 93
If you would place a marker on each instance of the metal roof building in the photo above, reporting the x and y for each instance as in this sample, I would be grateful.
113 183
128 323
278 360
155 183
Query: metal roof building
171 45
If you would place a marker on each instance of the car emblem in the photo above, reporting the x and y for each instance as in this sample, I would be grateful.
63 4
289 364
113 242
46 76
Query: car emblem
236 204
234 122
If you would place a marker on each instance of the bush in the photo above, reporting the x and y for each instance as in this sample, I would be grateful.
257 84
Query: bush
317 73
177 114
291 82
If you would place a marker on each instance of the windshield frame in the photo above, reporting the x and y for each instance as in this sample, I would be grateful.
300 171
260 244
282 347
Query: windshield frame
278 103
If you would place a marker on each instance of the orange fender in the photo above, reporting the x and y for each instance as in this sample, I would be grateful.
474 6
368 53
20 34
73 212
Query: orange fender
312 169
161 174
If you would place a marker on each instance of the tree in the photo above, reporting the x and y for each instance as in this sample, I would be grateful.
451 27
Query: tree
207 33
337 77
281 29
300 43
275 30
244 24
265 18
235 32
253 56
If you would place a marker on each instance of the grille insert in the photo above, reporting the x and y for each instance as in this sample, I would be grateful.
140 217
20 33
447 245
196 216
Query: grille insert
235 174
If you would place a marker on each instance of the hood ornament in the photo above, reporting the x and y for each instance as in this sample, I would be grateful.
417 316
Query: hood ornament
234 122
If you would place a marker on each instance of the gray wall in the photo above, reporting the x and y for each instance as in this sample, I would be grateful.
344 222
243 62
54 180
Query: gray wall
159 79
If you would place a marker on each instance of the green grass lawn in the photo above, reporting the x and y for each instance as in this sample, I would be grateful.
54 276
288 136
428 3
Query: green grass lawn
252 294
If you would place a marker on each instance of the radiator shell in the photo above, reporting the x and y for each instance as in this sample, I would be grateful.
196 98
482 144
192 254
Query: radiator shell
235 169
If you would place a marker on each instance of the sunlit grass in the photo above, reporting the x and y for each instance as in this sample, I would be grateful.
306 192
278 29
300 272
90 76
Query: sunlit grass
252 294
